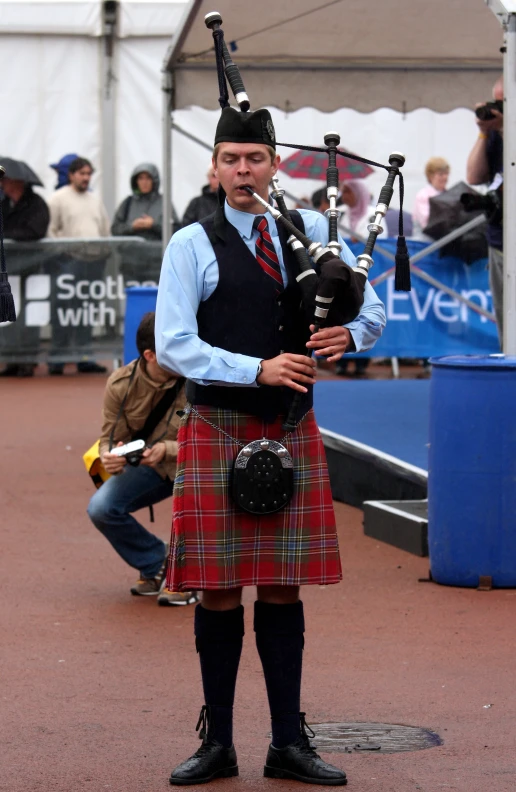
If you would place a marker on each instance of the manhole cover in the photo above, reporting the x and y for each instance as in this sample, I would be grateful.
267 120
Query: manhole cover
372 737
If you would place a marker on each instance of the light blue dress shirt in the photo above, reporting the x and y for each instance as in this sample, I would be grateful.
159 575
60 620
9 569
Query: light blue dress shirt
189 275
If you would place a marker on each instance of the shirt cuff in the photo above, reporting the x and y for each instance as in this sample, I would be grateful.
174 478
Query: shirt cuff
357 334
243 375
247 371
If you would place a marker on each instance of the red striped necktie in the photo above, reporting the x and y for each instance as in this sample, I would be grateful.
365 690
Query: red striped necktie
265 252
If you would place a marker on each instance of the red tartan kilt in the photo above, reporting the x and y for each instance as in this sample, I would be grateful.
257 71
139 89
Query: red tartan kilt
215 545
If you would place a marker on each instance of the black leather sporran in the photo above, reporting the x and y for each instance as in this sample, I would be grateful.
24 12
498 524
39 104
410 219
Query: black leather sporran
263 477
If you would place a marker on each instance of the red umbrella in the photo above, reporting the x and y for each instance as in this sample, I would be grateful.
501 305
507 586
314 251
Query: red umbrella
313 164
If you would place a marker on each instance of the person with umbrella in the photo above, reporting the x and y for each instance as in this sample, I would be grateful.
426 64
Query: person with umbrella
26 215
26 218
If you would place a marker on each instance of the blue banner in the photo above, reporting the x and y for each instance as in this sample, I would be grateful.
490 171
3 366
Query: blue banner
427 321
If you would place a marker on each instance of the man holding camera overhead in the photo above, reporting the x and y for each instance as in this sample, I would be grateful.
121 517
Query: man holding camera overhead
141 401
485 166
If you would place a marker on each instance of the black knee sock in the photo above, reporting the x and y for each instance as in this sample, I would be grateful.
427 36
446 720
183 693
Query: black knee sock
218 638
279 640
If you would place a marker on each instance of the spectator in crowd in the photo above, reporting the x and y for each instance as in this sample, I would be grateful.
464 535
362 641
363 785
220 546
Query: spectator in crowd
320 200
141 400
205 203
437 172
141 213
356 197
61 167
25 213
485 166
26 219
75 211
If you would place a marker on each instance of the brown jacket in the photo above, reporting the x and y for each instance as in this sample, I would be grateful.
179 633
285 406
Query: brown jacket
144 393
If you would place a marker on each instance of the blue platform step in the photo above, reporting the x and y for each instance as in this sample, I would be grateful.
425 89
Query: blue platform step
375 434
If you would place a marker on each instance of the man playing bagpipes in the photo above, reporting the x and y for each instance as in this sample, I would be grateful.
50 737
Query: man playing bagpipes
229 318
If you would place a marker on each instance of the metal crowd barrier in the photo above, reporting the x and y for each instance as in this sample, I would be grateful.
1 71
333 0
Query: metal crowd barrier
70 296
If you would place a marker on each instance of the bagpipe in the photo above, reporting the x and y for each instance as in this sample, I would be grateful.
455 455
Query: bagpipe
332 291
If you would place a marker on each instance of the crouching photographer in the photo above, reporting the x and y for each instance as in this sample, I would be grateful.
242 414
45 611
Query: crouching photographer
485 166
138 449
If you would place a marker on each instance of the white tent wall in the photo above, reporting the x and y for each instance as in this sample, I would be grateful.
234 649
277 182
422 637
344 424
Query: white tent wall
138 106
49 95
53 94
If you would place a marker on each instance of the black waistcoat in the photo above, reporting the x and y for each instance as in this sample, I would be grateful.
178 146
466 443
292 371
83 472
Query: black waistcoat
246 315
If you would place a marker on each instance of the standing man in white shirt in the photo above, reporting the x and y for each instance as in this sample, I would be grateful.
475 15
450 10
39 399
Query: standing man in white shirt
75 211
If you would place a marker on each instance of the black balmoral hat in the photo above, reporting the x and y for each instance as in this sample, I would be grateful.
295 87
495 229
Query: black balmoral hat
237 127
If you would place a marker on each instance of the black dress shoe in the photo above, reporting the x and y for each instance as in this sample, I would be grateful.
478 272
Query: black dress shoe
211 761
300 762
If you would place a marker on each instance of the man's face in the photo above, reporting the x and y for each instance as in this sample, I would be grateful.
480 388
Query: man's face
80 180
144 182
248 164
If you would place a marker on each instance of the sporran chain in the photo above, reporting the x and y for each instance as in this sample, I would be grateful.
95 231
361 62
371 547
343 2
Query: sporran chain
191 408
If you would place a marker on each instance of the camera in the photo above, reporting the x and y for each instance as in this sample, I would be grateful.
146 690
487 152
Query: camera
132 452
491 204
484 111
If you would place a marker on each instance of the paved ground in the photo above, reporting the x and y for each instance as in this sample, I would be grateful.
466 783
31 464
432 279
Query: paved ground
100 691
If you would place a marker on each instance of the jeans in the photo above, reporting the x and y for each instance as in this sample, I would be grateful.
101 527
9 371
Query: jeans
110 511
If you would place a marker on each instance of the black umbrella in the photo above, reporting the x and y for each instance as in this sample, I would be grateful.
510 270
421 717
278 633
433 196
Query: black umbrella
448 213
19 171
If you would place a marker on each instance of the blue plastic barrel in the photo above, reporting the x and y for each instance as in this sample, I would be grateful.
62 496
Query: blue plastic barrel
140 300
472 470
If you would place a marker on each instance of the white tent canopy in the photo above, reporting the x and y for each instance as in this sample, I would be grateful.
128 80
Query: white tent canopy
401 54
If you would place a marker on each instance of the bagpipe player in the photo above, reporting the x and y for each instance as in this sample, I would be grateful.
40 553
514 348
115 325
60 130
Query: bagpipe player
229 319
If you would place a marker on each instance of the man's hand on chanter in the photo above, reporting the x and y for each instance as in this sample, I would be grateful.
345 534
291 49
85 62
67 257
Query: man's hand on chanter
331 342
113 464
290 370
153 456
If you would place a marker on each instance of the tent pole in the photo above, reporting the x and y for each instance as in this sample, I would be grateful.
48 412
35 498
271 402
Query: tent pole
108 149
509 189
167 106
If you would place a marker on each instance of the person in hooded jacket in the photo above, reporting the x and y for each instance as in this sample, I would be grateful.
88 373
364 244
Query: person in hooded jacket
204 204
141 213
